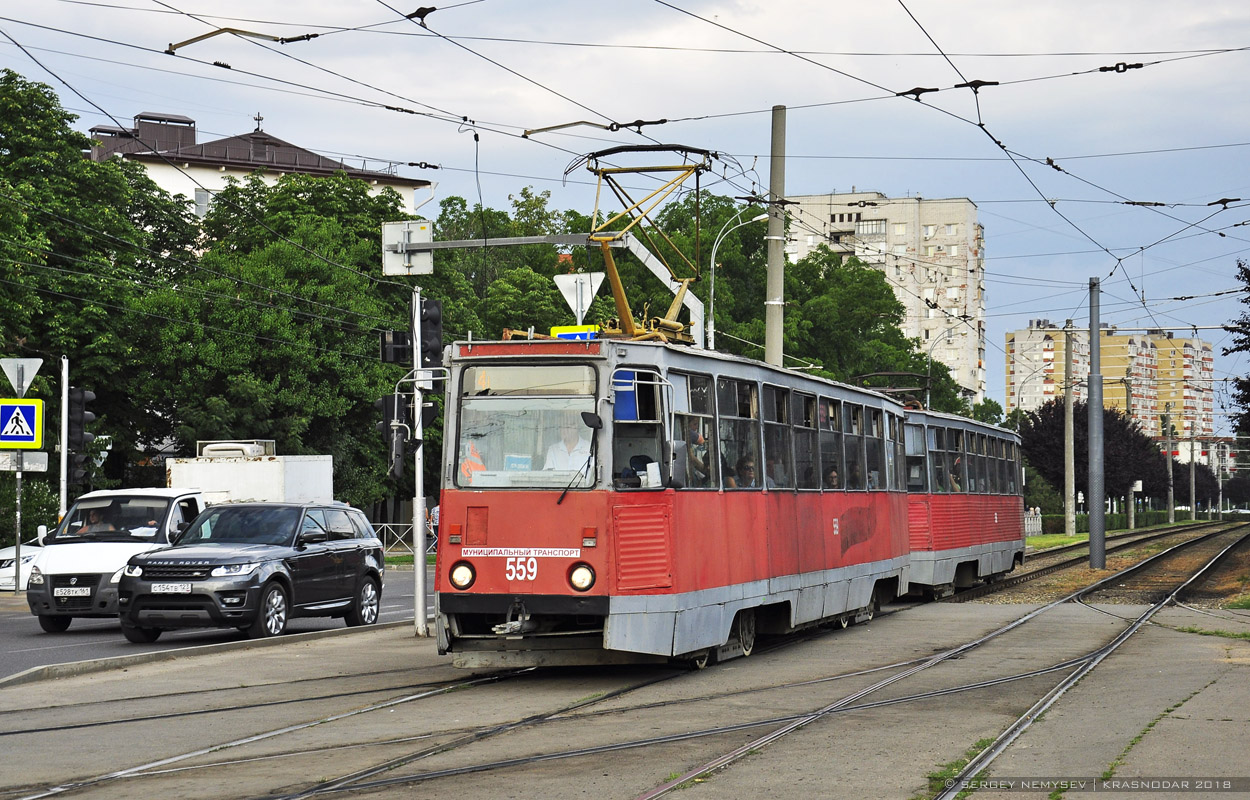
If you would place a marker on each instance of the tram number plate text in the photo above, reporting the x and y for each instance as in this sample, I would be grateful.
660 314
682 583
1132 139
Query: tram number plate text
521 569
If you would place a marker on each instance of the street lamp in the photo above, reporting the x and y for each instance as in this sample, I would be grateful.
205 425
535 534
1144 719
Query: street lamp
711 300
929 374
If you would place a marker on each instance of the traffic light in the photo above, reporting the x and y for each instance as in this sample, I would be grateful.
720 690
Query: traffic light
79 416
431 333
394 409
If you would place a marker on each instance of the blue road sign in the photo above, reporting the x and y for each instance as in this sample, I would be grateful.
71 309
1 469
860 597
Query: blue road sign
21 424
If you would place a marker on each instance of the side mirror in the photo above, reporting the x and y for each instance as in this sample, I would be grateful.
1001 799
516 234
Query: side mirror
313 537
592 420
41 533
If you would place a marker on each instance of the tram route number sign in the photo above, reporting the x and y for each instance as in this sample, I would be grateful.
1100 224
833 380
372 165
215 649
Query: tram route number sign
21 424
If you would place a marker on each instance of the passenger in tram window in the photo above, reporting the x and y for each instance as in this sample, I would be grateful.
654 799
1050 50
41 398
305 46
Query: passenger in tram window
572 452
874 479
831 478
773 474
745 472
954 477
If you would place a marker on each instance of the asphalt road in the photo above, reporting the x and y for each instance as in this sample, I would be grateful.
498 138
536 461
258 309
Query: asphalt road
25 644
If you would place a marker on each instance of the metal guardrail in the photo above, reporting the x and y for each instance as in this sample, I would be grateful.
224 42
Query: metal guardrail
1032 525
397 538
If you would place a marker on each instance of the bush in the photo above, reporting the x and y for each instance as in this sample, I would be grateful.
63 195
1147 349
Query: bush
1053 523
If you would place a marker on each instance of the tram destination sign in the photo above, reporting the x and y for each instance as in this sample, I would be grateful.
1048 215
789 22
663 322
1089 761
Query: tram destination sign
21 424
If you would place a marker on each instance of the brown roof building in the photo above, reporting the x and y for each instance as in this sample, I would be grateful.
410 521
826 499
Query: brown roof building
166 145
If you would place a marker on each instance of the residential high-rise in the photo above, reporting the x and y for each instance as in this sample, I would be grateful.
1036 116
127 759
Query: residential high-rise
1141 373
1035 365
932 253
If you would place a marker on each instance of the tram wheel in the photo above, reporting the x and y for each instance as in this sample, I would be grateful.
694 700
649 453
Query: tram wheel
746 630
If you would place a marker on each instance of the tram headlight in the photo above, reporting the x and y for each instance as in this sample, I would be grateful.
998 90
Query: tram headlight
462 575
582 577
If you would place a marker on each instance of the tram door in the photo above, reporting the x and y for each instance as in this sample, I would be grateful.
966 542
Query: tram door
919 511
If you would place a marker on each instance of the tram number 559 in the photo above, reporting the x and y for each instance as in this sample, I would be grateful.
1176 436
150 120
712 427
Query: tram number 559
521 569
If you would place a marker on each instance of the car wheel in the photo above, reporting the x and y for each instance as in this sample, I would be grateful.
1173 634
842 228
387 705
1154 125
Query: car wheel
54 624
364 610
141 635
271 617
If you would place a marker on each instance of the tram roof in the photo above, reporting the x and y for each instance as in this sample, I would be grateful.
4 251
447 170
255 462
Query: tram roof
682 356
967 423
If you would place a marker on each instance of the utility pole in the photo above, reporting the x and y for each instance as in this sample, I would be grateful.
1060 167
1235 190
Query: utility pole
1069 437
1193 501
1219 475
1097 507
1167 430
1128 405
421 624
775 297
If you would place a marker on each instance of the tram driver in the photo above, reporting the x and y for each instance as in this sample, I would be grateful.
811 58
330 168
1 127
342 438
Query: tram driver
572 451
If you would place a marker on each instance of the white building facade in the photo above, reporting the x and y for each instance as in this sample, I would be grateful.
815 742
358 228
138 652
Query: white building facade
932 253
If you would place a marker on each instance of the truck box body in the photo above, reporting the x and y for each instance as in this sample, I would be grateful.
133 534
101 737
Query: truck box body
295 479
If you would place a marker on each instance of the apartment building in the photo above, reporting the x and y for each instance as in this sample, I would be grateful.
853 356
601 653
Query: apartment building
1144 375
1035 364
932 253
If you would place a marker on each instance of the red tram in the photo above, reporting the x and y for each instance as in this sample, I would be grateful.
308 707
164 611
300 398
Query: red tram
965 512
612 501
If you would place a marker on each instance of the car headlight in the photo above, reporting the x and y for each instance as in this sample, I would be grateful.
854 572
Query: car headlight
132 571
36 577
117 576
462 575
581 577
232 570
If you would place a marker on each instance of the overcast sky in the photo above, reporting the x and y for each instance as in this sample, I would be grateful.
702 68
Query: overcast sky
1172 132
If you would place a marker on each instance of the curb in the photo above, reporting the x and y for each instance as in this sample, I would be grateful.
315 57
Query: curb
72 668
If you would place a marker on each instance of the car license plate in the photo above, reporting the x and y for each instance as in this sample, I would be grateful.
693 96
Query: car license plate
72 591
171 588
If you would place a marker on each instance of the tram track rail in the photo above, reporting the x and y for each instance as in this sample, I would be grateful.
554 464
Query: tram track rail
987 756
383 775
1124 542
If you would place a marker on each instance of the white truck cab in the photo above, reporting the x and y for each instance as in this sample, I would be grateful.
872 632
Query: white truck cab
76 572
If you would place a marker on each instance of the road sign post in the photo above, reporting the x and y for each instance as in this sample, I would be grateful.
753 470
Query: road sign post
21 427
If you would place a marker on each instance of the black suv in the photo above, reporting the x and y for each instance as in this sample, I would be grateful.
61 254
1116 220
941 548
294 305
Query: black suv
252 566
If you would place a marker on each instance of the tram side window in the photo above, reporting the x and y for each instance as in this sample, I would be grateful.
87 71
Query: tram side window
829 434
976 462
694 451
778 470
914 447
738 434
874 446
1000 473
937 461
1013 467
853 444
806 469
900 456
956 459
637 430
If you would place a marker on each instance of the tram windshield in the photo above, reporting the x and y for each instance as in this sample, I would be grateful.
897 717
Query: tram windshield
521 427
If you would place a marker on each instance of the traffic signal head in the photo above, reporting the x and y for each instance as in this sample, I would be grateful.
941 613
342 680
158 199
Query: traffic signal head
431 333
79 416
395 416
77 471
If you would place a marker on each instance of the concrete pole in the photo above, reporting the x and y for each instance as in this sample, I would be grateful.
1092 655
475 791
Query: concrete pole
1097 506
421 624
1219 475
1193 500
1069 437
775 296
1128 404
1167 431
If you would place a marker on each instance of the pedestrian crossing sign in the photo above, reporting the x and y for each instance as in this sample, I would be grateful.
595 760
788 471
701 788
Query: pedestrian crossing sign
21 424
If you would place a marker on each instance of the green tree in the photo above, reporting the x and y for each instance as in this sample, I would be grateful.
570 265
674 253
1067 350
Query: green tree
275 336
988 411
82 241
